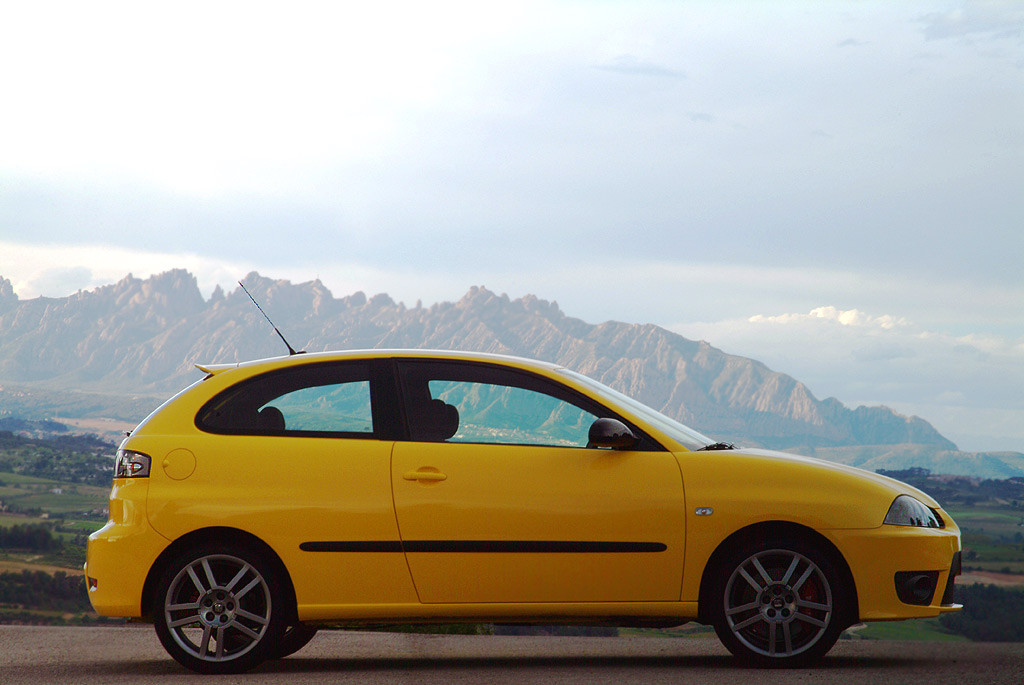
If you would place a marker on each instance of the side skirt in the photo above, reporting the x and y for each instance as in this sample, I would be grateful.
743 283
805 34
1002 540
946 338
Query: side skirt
589 613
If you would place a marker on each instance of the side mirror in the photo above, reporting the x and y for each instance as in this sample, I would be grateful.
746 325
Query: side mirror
611 433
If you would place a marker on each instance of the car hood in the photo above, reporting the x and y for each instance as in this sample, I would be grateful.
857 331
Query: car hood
897 487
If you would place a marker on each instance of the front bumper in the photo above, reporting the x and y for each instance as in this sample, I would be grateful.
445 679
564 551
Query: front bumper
884 560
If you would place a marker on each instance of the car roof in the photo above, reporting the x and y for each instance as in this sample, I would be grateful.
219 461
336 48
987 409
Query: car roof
340 355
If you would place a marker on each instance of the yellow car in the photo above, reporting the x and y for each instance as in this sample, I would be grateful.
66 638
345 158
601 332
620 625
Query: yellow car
274 496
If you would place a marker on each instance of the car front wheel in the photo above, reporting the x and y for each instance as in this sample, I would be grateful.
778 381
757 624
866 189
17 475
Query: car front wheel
778 604
217 610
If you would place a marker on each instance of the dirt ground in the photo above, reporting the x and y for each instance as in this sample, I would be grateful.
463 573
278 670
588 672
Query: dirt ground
991 578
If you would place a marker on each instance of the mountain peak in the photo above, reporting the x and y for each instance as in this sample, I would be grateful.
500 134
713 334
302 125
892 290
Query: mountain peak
8 298
144 335
479 295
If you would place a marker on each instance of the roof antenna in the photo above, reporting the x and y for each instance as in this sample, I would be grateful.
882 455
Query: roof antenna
291 350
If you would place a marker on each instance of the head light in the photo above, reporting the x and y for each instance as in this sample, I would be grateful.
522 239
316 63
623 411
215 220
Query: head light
128 464
908 511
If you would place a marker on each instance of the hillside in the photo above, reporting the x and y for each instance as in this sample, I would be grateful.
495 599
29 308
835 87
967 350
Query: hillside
116 350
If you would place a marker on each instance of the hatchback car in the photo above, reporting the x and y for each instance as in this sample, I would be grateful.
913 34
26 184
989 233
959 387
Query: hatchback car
275 496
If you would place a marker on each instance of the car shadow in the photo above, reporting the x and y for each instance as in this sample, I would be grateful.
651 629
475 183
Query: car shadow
725 662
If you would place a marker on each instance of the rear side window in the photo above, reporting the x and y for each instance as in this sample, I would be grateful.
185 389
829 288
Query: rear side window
313 399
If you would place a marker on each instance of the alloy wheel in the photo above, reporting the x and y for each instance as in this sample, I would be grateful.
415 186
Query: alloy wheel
217 608
778 603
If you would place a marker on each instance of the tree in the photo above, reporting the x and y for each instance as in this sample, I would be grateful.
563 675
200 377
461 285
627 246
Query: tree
990 614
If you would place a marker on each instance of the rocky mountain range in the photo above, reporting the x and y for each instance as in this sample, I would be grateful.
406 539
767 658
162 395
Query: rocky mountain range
116 351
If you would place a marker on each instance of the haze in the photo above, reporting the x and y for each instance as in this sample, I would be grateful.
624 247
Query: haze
832 188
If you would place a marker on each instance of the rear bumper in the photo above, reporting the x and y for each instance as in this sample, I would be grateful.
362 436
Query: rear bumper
118 559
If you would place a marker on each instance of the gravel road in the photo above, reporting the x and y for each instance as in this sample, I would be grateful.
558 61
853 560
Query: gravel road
131 654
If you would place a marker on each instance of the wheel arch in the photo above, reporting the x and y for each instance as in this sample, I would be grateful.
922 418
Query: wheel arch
782 530
214 534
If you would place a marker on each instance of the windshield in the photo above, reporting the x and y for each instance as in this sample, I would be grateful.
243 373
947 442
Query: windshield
684 435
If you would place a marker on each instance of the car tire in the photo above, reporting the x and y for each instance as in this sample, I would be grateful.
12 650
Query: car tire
219 609
778 603
295 637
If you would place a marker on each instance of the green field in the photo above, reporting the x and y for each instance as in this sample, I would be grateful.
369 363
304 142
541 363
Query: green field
993 538
70 511
914 629
37 496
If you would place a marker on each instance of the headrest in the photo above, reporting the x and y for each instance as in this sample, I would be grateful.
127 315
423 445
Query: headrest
270 419
438 421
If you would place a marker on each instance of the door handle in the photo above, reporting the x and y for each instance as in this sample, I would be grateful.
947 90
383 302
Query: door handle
432 476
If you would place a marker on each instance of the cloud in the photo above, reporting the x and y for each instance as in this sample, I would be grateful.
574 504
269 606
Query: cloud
498 137
701 117
58 270
62 279
848 317
976 19
238 99
629 64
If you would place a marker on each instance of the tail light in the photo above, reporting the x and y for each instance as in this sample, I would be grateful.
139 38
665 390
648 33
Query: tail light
128 464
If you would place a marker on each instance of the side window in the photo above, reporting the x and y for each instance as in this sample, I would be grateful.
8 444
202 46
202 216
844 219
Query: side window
334 408
477 403
310 399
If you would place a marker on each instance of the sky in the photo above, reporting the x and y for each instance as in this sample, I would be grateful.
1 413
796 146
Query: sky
833 188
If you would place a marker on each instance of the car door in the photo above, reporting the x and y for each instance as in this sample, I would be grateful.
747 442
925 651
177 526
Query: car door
499 499
304 465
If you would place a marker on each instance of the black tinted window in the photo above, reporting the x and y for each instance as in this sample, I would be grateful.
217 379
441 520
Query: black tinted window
309 399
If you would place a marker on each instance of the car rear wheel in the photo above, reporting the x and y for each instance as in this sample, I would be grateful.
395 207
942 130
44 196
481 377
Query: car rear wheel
778 603
218 609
